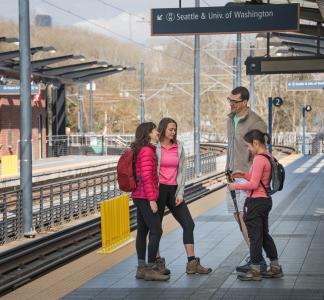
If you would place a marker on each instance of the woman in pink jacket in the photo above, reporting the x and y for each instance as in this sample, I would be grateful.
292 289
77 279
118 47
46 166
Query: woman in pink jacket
144 198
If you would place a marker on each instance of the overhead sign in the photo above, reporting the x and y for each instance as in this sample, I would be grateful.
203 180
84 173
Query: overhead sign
15 89
259 65
229 19
305 85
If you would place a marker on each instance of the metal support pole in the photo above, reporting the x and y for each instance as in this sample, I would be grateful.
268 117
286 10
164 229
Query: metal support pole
234 73
239 59
179 3
26 119
80 109
142 96
270 122
90 107
304 131
197 102
252 82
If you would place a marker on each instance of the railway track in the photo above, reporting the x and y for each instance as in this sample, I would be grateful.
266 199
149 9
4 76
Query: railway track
28 261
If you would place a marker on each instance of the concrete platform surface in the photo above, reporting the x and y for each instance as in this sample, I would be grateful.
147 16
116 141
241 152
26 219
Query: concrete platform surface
297 225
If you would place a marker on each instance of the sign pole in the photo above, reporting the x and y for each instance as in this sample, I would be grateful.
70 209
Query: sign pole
252 82
90 107
239 59
197 102
80 109
142 94
26 119
304 130
270 122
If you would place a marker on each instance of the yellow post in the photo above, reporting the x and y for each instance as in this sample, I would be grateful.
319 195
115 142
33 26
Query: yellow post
9 165
115 224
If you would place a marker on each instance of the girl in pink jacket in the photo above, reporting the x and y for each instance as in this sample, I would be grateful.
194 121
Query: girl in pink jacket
144 198
257 207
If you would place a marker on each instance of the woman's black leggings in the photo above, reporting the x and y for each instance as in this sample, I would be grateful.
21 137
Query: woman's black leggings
181 213
147 222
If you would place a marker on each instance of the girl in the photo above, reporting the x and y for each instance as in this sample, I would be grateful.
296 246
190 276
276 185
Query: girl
257 207
144 198
172 172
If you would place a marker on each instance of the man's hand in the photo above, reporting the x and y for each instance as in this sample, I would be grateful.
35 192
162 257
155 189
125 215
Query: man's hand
178 201
154 207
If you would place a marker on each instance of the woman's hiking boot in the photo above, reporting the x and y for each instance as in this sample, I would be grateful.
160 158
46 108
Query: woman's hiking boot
160 262
251 275
194 267
273 272
152 273
140 272
245 268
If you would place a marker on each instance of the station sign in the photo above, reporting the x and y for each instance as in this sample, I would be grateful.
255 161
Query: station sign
15 89
305 85
225 19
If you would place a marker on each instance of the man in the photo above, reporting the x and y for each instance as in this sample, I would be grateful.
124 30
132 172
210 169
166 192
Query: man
239 122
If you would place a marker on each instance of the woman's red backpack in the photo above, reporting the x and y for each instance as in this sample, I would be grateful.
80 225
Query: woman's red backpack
126 171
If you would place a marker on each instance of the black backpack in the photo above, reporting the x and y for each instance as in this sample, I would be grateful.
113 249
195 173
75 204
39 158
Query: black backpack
277 176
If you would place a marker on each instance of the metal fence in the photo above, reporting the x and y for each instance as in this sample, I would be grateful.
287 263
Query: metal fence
61 202
61 145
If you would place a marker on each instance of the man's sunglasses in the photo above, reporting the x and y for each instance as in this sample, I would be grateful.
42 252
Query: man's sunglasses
234 101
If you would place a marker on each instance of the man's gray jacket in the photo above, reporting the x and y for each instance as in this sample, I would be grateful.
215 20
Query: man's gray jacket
238 155
181 176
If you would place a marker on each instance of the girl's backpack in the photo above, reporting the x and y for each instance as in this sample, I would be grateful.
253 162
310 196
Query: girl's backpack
126 171
277 176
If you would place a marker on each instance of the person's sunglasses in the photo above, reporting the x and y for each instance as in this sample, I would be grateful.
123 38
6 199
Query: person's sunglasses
233 101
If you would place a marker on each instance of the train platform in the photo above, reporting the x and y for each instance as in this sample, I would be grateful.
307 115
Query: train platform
297 225
64 166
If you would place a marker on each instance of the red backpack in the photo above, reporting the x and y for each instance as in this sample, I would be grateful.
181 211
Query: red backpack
126 171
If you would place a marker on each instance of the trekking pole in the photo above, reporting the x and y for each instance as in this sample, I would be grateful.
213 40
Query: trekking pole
230 179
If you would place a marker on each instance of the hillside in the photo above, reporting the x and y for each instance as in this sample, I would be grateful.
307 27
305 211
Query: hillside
168 81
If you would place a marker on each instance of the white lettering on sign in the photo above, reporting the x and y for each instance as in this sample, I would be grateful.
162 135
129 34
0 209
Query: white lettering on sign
253 14
187 17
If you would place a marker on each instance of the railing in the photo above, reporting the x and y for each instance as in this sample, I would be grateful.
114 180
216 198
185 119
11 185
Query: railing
61 202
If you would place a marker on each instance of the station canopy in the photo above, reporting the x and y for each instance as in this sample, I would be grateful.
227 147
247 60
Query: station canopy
67 69
309 40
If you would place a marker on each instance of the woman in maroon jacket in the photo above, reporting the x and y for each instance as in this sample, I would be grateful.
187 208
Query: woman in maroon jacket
144 198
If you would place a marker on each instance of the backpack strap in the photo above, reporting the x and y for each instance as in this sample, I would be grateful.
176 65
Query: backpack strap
267 192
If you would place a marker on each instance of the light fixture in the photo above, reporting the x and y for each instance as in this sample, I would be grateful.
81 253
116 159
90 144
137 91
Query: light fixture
308 108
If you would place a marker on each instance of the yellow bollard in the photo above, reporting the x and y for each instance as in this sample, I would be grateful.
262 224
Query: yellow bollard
9 165
115 225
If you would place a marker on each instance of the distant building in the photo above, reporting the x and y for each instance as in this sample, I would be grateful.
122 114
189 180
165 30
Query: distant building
43 20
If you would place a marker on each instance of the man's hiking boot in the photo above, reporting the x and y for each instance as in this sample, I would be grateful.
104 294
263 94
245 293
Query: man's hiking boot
194 267
152 273
160 262
273 272
140 272
251 275
247 266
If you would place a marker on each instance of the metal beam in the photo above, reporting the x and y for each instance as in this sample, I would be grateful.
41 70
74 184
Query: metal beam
98 75
64 69
85 72
311 30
